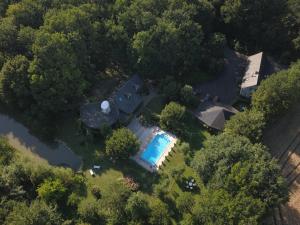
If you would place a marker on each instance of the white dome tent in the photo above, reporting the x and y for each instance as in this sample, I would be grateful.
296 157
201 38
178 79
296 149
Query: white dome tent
105 107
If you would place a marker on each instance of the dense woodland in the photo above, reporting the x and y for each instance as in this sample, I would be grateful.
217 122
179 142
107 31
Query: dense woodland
53 51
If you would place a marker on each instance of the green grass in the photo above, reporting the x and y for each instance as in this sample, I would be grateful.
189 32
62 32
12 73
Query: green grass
195 132
92 152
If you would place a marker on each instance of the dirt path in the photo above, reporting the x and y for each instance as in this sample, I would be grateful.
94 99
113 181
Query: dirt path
283 139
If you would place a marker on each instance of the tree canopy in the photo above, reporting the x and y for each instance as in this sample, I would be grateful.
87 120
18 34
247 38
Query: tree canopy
122 144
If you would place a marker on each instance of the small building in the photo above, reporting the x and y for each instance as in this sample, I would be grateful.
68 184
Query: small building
252 75
214 115
128 98
96 115
125 101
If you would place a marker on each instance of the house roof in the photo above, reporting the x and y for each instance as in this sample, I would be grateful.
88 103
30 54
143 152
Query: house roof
128 98
215 115
92 116
252 71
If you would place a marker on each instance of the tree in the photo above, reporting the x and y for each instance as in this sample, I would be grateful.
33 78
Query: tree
89 211
52 190
159 214
121 144
185 202
278 92
187 95
172 116
38 213
219 207
137 207
249 123
56 82
113 203
235 164
27 13
8 36
6 152
26 38
264 19
15 82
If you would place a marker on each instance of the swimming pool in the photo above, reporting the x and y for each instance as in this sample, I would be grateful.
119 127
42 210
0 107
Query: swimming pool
155 148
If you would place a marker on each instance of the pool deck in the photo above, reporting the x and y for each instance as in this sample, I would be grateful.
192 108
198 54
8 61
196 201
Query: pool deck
145 136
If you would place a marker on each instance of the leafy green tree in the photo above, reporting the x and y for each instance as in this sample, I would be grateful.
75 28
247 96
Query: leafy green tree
187 95
249 123
8 36
15 82
6 152
52 190
113 203
89 211
172 116
219 207
27 13
159 214
121 144
185 202
56 82
26 38
235 164
38 213
163 48
85 34
278 92
137 207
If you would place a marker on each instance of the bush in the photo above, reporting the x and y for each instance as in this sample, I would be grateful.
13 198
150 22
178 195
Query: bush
6 152
170 88
121 144
172 117
52 190
187 96
96 192
185 202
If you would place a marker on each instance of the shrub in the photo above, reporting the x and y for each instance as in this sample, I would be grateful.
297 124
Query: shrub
172 117
187 96
170 88
52 190
121 144
96 192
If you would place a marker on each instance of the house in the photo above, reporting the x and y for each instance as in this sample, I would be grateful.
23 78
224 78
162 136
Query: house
128 98
125 101
96 115
214 115
252 75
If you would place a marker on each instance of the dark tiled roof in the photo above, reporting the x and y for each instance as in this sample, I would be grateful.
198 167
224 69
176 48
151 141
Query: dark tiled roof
128 98
215 115
92 116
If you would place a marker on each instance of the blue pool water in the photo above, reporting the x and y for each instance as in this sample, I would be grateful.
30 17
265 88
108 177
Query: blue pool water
155 148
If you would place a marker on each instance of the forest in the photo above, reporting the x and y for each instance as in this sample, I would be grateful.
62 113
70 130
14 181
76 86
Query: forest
53 52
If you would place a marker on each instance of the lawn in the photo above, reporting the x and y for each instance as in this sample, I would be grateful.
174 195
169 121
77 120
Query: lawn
92 152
